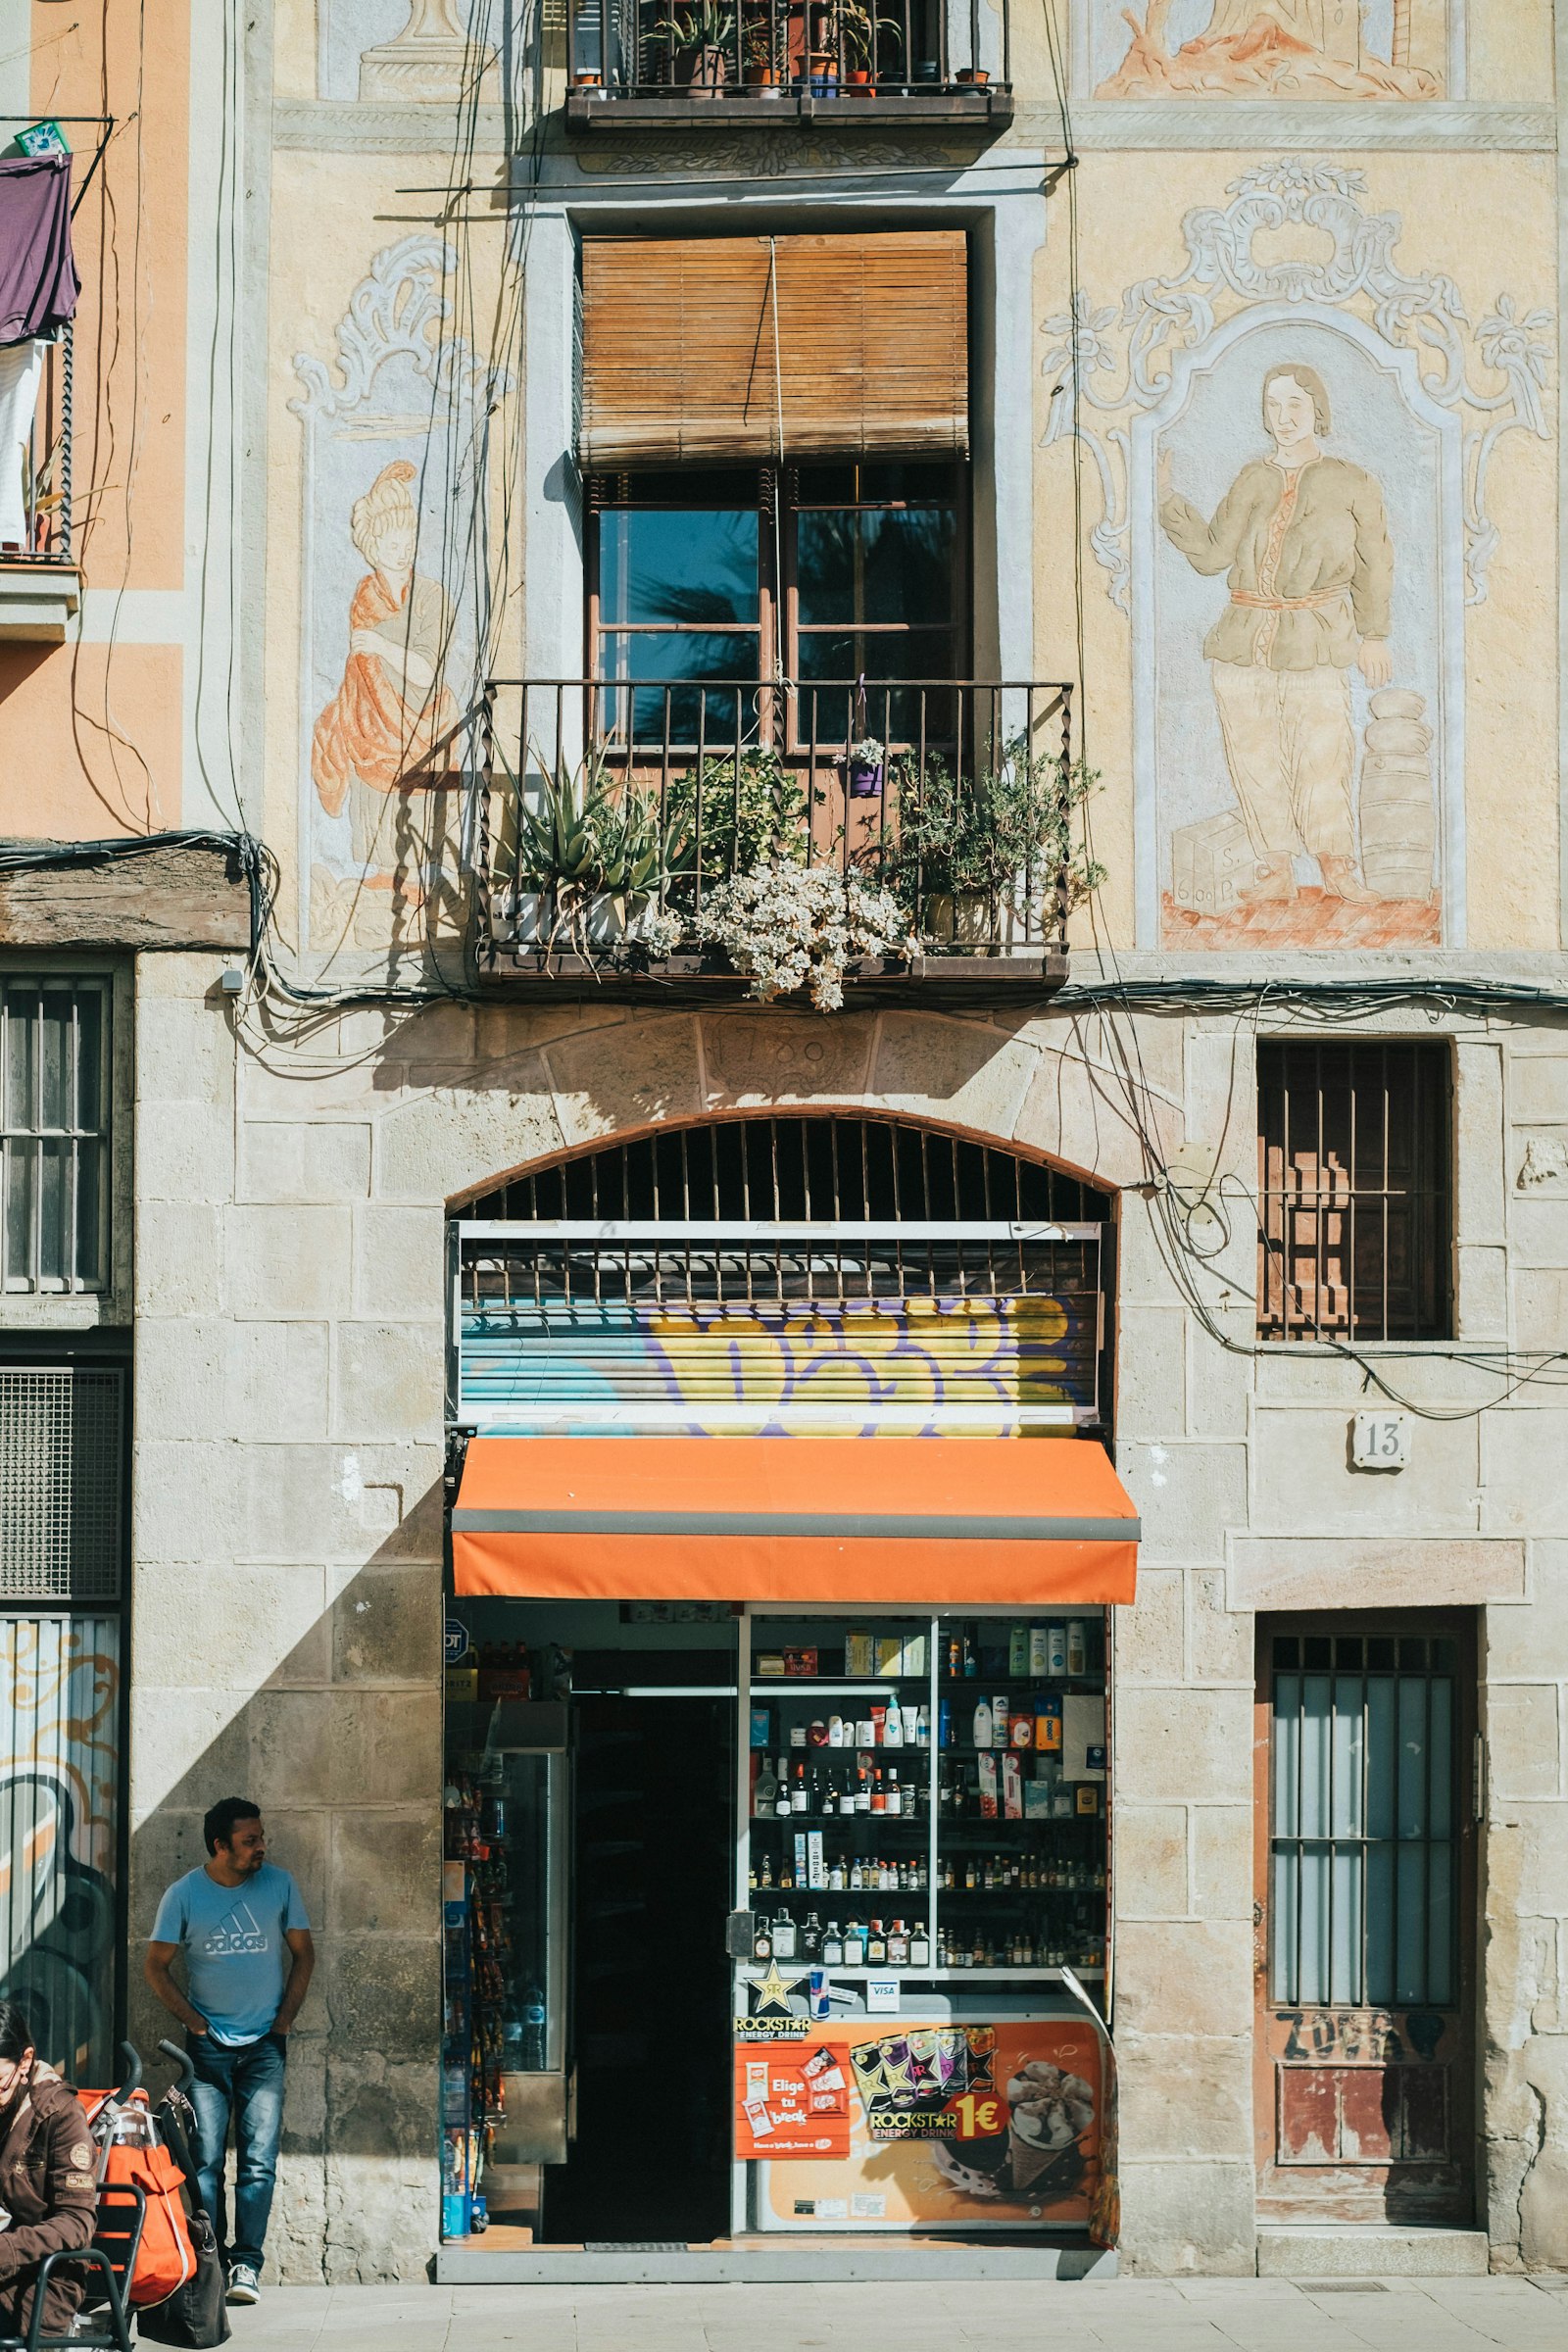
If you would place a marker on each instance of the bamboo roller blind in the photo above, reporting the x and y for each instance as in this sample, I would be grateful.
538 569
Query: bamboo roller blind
679 349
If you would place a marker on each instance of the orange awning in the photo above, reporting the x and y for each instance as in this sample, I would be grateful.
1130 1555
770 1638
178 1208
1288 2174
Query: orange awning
940 1522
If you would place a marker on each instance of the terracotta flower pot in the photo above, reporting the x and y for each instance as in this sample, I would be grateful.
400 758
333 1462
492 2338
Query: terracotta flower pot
860 84
975 74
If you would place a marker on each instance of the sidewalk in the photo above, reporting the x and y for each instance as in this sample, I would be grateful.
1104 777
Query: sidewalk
1124 2315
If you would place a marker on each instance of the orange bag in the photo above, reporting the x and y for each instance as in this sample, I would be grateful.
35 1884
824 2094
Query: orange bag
129 2151
166 2257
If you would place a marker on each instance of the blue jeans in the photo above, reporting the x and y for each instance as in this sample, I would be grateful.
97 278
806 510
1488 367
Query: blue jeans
247 2082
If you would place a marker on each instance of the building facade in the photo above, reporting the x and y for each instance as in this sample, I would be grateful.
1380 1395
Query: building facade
1158 416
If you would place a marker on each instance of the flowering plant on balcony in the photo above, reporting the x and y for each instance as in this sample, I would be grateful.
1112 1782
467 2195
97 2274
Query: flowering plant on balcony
794 926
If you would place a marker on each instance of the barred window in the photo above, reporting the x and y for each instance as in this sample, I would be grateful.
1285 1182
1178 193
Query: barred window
1355 1193
54 1134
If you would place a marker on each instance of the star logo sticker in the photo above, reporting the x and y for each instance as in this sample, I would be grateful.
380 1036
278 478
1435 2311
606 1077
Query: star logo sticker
771 1994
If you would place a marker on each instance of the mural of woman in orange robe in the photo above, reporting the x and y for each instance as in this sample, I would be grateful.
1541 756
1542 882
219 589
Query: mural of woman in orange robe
392 710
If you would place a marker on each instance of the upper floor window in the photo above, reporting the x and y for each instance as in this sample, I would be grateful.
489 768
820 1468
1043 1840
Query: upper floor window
54 1134
1355 1191
826 574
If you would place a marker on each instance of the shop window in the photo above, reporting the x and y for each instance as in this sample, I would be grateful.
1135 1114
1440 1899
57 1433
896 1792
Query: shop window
54 1134
1355 1196
704 584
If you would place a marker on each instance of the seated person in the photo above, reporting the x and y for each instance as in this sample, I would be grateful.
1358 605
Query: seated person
48 2181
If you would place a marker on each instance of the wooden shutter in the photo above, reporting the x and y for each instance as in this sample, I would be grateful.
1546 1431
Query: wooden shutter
679 341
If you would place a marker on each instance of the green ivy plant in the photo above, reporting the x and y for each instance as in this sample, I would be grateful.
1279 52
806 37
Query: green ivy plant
731 813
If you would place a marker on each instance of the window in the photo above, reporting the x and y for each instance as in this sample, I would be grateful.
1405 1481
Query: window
848 576
1364 1821
1354 1190
54 1134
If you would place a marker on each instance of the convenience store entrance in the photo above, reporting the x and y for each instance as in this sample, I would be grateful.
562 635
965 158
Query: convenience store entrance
652 1849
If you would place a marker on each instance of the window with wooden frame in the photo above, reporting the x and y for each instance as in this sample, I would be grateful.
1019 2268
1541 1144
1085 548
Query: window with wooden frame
1355 1191
848 579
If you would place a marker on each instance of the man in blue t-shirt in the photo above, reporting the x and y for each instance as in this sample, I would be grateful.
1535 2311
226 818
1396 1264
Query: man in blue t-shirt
248 1960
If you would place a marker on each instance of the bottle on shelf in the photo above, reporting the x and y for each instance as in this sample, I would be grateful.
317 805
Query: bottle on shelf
919 1946
876 1945
832 1945
783 1936
855 1944
897 1945
812 1937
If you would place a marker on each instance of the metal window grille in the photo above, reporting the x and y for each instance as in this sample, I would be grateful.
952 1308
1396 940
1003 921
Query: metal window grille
54 1134
61 1483
1363 1854
821 1170
1354 1190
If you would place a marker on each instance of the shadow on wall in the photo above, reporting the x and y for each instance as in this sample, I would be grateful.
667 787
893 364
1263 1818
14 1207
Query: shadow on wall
338 1740
488 1090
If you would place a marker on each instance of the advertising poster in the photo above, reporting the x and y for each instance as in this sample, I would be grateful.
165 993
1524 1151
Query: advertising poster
902 2123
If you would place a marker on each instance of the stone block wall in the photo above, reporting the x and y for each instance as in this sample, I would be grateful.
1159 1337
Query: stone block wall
288 1520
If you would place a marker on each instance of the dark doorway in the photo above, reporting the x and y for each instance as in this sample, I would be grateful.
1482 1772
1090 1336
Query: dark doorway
654 1858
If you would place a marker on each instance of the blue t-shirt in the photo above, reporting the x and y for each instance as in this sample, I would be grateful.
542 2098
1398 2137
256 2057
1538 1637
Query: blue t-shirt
234 1948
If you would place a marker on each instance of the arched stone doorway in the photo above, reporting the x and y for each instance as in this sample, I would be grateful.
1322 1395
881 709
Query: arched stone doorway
808 1276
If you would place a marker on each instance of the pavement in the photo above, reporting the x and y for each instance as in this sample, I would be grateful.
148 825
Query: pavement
1121 2314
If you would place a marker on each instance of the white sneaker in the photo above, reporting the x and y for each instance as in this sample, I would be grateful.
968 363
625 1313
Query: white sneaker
243 2284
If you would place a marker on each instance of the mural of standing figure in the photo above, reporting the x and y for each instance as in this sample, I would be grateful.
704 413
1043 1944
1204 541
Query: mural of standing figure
1303 540
392 709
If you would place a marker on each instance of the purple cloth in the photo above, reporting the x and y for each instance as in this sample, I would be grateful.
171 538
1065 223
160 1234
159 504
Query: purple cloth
38 282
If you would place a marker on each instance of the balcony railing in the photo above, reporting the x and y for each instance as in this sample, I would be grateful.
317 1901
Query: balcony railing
46 464
646 60
956 797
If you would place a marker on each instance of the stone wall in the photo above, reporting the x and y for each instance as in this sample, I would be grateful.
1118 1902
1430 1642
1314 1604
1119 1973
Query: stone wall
291 1204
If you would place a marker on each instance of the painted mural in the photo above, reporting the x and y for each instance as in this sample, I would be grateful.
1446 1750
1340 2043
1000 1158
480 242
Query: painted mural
59 1775
394 608
405 52
999 1367
1287 49
1292 455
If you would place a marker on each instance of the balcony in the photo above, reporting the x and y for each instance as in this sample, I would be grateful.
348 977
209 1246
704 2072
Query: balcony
649 834
841 65
40 585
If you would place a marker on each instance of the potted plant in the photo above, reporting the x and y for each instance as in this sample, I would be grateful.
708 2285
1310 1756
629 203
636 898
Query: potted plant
795 926
737 810
762 52
863 769
699 41
591 858
865 39
975 74
991 858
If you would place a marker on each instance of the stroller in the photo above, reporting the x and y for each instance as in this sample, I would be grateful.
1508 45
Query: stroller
154 2249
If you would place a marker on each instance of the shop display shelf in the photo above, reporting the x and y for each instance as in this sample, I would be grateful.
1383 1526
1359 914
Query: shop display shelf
835 1686
754 1971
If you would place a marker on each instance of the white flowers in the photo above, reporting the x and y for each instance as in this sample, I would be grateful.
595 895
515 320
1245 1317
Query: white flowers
792 926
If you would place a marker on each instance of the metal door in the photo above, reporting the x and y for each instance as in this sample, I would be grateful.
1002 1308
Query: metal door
1364 1915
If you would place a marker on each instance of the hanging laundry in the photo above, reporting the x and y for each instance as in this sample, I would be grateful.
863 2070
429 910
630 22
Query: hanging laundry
38 282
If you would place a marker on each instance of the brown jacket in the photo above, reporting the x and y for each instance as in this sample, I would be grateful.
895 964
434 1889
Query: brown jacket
48 2185
1311 571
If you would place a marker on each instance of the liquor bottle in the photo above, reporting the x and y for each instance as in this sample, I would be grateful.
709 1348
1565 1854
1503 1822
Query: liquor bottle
781 1802
898 1945
862 1788
837 1878
762 1941
880 1795
876 1945
895 1794
800 1792
829 1799
812 1937
982 1724
783 1936
832 1945
752 1879
767 1878
786 1877
766 1787
919 1947
856 1875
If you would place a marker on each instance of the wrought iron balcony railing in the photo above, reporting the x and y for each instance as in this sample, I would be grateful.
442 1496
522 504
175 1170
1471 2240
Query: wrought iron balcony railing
920 59
618 806
45 458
